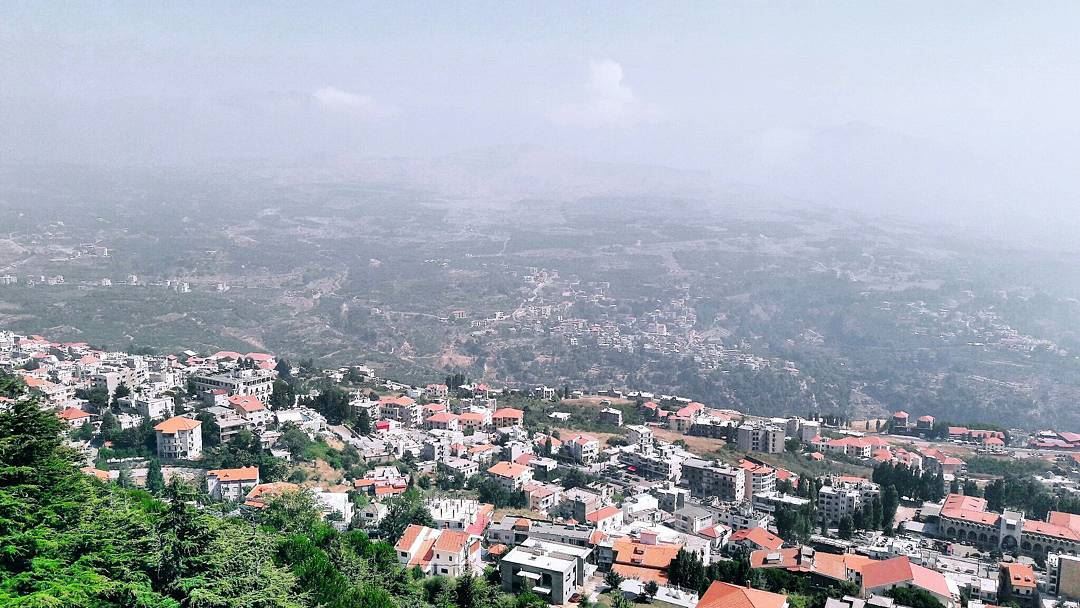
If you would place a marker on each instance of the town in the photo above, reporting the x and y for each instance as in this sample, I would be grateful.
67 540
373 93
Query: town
581 496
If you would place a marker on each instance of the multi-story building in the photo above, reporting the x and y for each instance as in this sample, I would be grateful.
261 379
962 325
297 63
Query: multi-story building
761 438
251 409
258 383
231 484
611 416
708 479
179 438
403 408
844 497
657 461
153 408
965 518
442 552
1063 576
444 421
692 519
553 571
510 475
1017 583
760 479
582 448
507 417
834 503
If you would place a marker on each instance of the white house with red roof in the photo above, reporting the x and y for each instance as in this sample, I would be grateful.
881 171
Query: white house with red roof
231 484
754 539
510 475
74 417
878 577
606 519
443 421
726 595
179 437
251 409
440 552
402 408
474 420
581 447
507 417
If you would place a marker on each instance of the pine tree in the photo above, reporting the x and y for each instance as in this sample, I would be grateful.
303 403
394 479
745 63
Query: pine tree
155 481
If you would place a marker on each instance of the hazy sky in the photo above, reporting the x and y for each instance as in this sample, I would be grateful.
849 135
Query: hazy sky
742 89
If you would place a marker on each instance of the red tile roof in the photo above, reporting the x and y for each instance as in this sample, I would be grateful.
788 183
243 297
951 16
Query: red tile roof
248 403
759 536
602 514
1019 575
900 570
452 541
241 474
726 595
508 470
72 413
176 424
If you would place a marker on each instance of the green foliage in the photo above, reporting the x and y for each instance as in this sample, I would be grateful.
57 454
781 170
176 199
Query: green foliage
613 579
407 509
990 465
155 481
68 540
491 491
913 597
283 395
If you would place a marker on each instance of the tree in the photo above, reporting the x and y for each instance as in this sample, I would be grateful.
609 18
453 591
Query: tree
914 597
971 488
651 589
211 432
846 527
406 509
363 423
121 391
995 495
618 600
155 481
84 432
890 501
613 579
283 395
110 426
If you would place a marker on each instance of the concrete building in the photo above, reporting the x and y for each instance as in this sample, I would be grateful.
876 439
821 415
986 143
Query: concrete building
1063 576
153 408
761 438
611 416
231 484
582 448
510 475
258 383
844 496
179 438
553 571
692 519
707 479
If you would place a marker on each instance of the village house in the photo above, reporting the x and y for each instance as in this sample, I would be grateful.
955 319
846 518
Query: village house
179 438
507 417
511 476
231 484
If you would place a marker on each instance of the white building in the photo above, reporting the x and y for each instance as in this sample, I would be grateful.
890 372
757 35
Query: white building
179 438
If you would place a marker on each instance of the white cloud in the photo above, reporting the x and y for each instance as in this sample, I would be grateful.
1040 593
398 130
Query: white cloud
608 101
336 100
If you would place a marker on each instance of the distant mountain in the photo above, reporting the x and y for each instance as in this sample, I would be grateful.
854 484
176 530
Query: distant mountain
512 173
